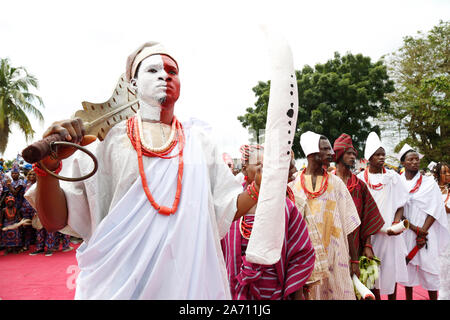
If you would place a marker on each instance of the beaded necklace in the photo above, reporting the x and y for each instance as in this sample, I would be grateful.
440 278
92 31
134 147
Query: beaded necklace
10 215
353 181
134 129
323 187
378 186
245 228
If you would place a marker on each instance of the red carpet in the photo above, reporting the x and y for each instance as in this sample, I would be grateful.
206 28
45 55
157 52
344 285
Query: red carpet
25 277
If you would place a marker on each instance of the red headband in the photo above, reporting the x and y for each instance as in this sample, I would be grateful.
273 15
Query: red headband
10 198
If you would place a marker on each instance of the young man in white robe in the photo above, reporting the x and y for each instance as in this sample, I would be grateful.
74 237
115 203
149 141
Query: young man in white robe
136 248
390 196
428 225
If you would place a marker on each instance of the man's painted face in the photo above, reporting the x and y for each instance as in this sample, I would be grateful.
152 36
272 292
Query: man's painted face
157 81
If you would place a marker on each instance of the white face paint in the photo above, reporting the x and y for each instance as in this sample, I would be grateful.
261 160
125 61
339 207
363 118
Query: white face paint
151 86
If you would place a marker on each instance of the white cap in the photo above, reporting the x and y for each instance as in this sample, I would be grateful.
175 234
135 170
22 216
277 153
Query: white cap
431 165
406 147
310 142
373 143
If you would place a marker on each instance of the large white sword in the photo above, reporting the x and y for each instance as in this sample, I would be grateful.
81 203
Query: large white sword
266 240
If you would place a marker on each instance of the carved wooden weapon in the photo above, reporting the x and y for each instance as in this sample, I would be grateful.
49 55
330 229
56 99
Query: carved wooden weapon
98 119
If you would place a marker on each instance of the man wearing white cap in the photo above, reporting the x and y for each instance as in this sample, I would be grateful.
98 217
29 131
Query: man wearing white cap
390 195
153 215
428 229
335 215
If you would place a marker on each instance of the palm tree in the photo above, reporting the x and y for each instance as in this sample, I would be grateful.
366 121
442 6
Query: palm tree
16 101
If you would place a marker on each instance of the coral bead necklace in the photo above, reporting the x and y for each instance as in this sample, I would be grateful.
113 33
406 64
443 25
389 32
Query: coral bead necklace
134 131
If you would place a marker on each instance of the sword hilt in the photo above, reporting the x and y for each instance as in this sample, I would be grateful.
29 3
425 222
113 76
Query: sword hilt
40 149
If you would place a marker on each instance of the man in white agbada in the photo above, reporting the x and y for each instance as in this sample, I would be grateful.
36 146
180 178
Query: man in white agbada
130 249
428 225
390 196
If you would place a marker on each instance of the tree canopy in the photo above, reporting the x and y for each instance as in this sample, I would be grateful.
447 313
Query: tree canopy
16 101
339 96
420 104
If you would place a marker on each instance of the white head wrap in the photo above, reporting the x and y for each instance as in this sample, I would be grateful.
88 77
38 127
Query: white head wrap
406 147
144 51
310 142
373 143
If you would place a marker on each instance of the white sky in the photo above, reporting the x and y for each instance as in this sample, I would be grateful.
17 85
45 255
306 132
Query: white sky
78 50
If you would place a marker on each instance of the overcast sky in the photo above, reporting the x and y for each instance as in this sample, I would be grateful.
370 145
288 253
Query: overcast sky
78 49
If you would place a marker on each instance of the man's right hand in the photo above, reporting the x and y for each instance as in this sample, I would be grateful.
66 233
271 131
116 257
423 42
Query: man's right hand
72 130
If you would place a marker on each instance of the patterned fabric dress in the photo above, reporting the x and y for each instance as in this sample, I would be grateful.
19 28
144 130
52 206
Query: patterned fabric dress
19 197
28 212
250 281
336 217
11 238
46 239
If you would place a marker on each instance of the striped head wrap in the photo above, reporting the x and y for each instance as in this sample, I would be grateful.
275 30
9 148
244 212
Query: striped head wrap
341 145
246 149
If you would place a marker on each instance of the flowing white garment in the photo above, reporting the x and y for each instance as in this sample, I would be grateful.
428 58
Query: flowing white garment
133 252
390 249
444 262
426 201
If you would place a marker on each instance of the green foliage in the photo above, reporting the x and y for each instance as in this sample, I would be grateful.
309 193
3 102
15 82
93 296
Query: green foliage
334 98
420 103
16 101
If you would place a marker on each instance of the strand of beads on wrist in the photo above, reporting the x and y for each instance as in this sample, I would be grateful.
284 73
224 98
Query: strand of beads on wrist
41 172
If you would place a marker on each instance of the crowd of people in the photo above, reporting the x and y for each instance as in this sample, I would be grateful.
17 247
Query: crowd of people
381 197
18 233
136 247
